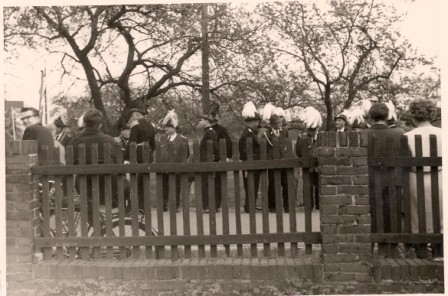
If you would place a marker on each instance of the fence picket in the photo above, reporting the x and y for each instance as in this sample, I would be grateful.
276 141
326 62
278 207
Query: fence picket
211 198
435 186
278 197
108 199
95 208
47 252
160 251
172 201
291 197
252 196
69 181
185 199
237 196
307 191
198 194
406 189
121 198
134 197
83 200
147 198
264 196
421 206
223 192
58 212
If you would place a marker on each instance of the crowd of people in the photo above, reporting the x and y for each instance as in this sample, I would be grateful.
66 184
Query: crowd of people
268 124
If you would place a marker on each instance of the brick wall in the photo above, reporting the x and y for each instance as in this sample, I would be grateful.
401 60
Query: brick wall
21 215
345 210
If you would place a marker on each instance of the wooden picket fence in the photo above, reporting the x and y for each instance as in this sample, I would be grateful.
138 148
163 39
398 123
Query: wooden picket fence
390 190
120 228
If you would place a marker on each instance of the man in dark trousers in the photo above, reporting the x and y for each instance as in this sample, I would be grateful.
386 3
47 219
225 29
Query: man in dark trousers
35 131
221 133
91 135
276 133
141 131
251 120
387 137
209 135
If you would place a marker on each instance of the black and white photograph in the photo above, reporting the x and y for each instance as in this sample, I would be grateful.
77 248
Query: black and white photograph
222 148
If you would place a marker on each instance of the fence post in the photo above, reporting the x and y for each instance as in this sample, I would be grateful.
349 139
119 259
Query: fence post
344 208
22 212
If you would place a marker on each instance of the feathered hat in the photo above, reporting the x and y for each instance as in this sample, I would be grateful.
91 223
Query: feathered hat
311 118
170 119
268 110
59 122
250 113
365 107
278 115
392 114
81 122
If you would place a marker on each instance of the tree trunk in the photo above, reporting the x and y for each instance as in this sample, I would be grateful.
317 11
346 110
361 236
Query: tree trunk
329 107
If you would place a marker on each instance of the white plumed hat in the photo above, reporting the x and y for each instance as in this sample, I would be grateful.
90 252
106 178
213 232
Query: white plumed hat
171 119
311 117
249 112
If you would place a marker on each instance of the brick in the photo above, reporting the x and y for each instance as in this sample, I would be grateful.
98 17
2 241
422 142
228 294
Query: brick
361 200
355 171
359 161
336 219
327 170
354 210
353 248
353 138
330 248
19 179
363 238
337 180
413 270
354 229
386 270
318 273
339 277
404 268
326 152
377 271
328 210
328 229
19 276
19 197
342 199
341 152
363 220
440 271
358 267
364 139
21 267
331 267
20 215
361 180
354 189
358 152
340 258
327 190
341 161
363 277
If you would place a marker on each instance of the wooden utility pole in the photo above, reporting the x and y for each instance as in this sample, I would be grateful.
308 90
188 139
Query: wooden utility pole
205 53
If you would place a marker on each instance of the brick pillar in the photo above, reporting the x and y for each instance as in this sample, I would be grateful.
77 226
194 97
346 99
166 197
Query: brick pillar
22 206
344 207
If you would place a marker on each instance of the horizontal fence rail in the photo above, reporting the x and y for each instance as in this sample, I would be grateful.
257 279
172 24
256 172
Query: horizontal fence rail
399 194
96 206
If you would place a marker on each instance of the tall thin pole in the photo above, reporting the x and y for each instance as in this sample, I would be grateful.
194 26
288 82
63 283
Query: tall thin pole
205 54
13 121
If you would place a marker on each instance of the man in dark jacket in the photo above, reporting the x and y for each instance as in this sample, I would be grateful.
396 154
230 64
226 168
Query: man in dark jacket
92 135
252 120
209 135
221 133
35 131
141 131
387 137
276 133
61 135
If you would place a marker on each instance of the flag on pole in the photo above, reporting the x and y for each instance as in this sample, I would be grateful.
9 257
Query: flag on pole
43 104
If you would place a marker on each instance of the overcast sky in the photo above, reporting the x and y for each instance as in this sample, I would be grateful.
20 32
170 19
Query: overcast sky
422 27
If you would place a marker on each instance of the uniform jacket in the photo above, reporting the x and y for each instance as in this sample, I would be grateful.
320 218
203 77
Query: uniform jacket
179 157
209 134
383 131
64 138
142 132
282 137
222 133
249 133
310 143
43 137
92 136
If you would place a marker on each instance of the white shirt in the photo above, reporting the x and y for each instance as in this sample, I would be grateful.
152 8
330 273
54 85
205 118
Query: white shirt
425 131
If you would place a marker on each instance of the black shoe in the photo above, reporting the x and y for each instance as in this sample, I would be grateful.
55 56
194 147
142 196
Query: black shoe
206 211
286 210
246 210
165 209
